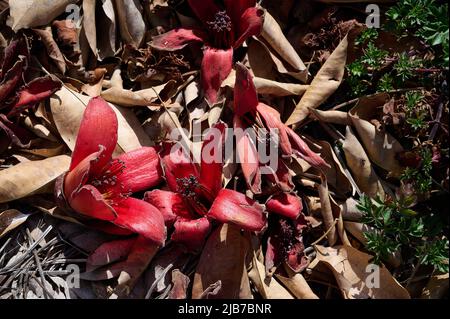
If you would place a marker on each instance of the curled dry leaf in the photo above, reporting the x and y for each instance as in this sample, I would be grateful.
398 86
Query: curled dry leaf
349 267
272 33
296 284
326 210
360 166
226 250
382 148
331 116
31 177
52 48
10 219
131 21
33 13
67 108
325 83
265 86
269 288
180 285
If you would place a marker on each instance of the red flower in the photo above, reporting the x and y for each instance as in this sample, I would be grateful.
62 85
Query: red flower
250 113
223 31
99 187
196 195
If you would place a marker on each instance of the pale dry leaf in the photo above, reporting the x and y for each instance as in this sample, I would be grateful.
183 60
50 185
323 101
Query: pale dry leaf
349 267
360 166
31 177
296 284
89 24
326 210
33 13
226 249
131 21
324 84
10 219
272 33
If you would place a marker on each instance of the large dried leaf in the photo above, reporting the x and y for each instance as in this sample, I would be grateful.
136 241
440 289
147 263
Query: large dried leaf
296 284
325 83
349 267
223 258
67 108
31 177
360 166
10 219
131 21
34 13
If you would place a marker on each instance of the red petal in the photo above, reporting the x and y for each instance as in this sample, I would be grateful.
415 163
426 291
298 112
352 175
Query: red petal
205 10
251 24
35 91
98 127
88 201
177 164
287 205
245 96
303 150
281 176
79 175
191 233
15 49
171 205
273 121
248 157
212 158
109 252
235 9
216 66
11 79
141 218
177 39
236 208
142 170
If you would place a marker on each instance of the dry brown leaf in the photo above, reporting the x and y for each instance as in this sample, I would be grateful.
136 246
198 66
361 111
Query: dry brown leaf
360 166
31 177
10 219
180 284
52 48
296 284
89 25
349 267
131 21
33 13
67 108
222 258
265 86
325 83
331 116
272 33
269 288
326 210
437 287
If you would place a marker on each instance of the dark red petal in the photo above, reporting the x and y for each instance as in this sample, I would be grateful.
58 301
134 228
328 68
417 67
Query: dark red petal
35 91
141 218
236 208
273 121
170 204
177 39
248 157
11 79
98 127
296 258
205 10
245 96
303 150
191 233
109 252
251 24
272 257
212 158
285 204
79 175
142 170
177 164
235 9
282 177
88 201
216 66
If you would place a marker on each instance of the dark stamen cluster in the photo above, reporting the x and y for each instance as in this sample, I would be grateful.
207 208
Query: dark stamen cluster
221 22
287 237
187 186
109 177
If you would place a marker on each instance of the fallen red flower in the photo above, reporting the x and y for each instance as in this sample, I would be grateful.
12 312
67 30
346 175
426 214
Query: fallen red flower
99 187
197 195
250 113
223 30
